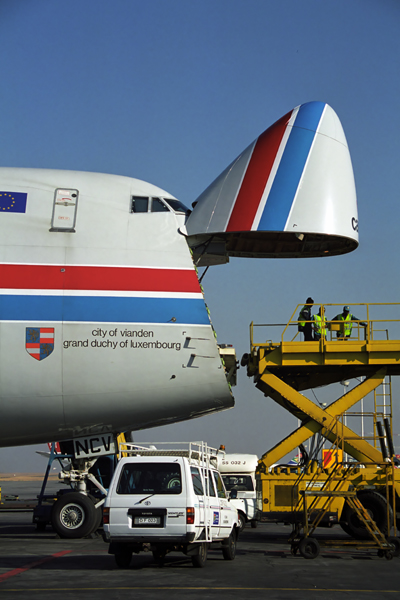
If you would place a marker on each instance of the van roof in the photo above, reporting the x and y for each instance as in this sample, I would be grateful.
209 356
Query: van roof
195 452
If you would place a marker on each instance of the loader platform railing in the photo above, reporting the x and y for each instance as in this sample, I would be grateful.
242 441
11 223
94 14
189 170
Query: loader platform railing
382 322
373 342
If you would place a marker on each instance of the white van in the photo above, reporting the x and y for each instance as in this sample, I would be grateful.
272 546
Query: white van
168 497
238 473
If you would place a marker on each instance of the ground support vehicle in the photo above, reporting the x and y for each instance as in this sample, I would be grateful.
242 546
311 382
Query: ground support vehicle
238 473
316 503
168 497
282 371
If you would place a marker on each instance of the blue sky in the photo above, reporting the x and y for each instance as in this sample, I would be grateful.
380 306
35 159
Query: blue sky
170 91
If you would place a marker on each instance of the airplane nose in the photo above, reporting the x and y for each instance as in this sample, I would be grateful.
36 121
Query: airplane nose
290 194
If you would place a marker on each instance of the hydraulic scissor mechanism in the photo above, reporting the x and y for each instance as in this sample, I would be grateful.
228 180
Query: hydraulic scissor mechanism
315 419
331 485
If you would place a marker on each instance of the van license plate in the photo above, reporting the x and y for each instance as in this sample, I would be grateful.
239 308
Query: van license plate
147 520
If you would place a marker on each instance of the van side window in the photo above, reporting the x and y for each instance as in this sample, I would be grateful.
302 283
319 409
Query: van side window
211 491
196 481
219 485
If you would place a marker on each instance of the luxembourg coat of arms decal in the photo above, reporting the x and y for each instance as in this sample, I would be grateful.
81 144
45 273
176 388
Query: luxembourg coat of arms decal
39 342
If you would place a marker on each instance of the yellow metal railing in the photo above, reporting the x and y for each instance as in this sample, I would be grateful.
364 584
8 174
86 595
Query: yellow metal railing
379 319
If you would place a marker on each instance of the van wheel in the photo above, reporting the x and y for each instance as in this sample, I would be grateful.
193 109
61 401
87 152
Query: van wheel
123 559
229 551
242 522
199 560
73 516
254 524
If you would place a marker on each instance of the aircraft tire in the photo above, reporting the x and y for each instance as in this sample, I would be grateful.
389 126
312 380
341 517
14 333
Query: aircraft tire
99 515
74 516
97 522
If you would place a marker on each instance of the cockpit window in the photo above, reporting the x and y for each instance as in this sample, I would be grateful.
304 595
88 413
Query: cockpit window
177 206
140 204
158 205
144 204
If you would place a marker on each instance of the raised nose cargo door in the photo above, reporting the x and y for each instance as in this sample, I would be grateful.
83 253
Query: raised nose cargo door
290 194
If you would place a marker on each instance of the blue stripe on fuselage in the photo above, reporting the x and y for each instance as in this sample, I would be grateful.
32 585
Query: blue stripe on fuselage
291 167
103 309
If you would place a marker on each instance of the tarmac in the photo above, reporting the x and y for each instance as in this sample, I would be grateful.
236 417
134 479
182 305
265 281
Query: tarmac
40 564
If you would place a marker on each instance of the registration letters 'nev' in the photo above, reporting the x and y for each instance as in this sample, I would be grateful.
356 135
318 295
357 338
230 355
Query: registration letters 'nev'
94 446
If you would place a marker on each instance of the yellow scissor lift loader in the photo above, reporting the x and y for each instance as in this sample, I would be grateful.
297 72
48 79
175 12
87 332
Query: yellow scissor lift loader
336 488
360 495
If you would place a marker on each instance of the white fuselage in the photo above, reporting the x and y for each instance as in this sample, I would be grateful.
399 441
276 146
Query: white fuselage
103 325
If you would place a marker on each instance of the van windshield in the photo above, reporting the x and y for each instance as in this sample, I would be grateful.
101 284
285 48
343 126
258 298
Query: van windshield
241 483
150 478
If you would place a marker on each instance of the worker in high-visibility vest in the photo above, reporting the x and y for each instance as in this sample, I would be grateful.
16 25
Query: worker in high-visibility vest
319 326
305 320
346 326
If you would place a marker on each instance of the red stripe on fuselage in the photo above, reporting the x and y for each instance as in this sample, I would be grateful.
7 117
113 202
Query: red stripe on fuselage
256 176
57 277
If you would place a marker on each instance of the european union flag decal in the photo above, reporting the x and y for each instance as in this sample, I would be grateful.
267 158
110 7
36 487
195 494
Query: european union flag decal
13 202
